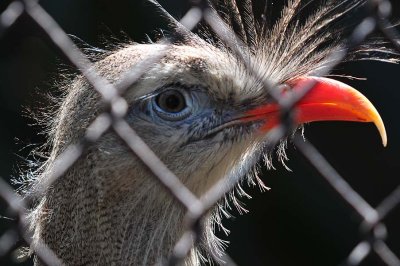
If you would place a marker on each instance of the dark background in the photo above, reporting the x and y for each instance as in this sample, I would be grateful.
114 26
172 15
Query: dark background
301 220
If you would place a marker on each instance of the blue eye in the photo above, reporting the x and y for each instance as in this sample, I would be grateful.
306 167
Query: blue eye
172 104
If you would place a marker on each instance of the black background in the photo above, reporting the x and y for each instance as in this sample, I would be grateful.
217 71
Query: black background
301 220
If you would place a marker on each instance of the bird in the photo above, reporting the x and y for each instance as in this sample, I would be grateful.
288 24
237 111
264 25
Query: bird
203 112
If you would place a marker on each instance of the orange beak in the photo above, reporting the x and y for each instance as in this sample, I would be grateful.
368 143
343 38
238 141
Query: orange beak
328 100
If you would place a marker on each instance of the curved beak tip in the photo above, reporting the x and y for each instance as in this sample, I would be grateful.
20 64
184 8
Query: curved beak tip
327 100
382 131
333 100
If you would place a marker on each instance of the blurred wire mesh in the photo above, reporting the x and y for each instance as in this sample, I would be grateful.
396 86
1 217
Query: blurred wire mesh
372 229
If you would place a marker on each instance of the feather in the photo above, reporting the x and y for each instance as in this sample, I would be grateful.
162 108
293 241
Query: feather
180 33
231 14
246 9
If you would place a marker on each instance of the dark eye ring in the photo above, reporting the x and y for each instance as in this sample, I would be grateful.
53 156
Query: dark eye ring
172 104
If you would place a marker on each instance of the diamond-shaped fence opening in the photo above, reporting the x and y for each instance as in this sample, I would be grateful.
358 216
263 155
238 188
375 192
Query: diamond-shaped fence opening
371 237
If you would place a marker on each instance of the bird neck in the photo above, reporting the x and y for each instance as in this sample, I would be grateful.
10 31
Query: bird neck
91 220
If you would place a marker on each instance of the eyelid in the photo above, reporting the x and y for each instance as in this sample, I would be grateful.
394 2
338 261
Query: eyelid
177 86
146 97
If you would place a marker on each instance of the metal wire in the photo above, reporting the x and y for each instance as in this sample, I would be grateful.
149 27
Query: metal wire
112 117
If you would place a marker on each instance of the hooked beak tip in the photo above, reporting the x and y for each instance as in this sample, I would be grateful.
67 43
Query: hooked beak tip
327 100
334 100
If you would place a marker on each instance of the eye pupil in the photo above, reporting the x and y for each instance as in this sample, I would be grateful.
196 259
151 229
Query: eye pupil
171 101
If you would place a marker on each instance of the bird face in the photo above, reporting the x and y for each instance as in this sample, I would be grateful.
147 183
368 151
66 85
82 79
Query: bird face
192 115
206 116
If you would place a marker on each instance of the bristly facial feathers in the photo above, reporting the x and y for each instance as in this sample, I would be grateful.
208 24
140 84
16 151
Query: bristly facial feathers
107 208
293 45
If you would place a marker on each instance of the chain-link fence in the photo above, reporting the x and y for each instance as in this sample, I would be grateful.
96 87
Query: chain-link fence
372 227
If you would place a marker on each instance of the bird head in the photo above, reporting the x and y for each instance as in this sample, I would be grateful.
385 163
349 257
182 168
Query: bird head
202 111
206 116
